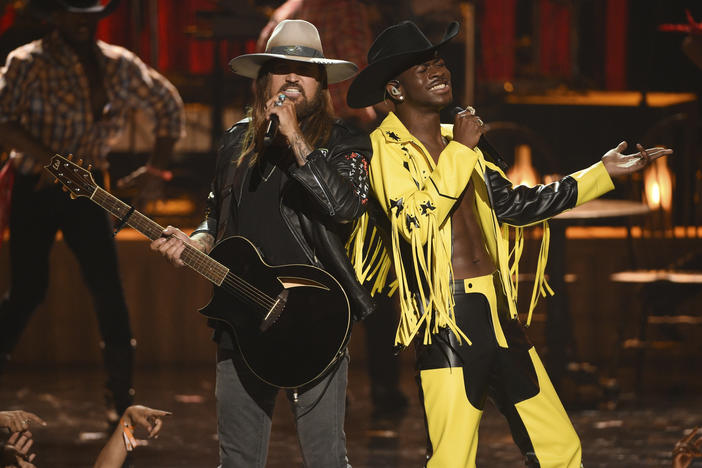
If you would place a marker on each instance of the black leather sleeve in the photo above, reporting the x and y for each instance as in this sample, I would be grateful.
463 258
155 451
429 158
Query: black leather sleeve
521 205
337 177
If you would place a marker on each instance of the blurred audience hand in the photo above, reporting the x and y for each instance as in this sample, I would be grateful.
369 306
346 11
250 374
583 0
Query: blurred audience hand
687 449
285 11
148 183
114 452
148 418
18 421
15 453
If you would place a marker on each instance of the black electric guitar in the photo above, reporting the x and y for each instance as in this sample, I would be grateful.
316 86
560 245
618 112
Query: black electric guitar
292 322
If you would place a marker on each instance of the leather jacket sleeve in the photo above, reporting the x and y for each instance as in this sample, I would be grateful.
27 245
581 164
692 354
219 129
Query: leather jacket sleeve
337 178
521 205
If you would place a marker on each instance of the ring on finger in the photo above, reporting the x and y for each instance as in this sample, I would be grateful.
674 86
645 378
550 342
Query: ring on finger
479 121
471 110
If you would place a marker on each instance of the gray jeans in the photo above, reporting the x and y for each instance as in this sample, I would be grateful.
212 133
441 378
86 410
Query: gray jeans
245 408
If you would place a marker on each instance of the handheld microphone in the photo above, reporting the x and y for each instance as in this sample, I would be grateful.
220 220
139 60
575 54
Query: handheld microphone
271 130
273 122
484 145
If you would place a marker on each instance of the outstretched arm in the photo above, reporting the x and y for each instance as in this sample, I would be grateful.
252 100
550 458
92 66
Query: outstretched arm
114 452
521 205
285 11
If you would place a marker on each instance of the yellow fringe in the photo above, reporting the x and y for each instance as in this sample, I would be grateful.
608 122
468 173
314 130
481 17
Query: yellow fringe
541 286
515 256
430 261
375 265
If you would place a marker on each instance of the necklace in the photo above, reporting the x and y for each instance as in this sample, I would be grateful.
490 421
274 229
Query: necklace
260 172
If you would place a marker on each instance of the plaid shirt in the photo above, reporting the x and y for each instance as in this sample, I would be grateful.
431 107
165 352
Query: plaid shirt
43 87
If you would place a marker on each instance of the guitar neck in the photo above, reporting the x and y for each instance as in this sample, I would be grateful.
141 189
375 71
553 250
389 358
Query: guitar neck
194 258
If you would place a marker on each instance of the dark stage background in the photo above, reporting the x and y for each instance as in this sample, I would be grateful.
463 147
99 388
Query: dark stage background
567 78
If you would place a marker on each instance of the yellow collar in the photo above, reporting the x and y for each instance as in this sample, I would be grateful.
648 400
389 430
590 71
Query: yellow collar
394 131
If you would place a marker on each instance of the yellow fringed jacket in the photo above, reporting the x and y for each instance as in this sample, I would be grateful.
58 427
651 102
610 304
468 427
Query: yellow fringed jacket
417 195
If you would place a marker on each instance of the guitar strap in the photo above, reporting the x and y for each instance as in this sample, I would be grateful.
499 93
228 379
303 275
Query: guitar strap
123 221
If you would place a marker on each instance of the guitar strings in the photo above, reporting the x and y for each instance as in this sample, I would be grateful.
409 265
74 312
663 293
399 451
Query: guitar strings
245 289
233 280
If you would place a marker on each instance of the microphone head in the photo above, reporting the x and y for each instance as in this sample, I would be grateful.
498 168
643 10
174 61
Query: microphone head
455 111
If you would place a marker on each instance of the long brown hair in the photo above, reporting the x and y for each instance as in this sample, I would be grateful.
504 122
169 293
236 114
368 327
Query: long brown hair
316 127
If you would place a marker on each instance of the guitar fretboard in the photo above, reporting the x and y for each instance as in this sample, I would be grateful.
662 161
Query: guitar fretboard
194 258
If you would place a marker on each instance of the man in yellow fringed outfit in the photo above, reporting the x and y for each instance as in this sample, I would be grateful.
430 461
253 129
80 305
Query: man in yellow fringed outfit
449 206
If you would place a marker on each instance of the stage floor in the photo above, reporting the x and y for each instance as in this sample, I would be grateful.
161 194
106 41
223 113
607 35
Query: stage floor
639 433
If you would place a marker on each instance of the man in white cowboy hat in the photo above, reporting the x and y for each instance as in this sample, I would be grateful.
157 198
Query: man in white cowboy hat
292 192
449 208
70 93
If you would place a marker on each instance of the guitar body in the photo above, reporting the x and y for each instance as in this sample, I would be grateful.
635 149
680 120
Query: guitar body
292 322
293 327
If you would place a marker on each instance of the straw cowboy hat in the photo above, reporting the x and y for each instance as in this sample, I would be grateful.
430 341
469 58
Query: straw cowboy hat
394 51
295 40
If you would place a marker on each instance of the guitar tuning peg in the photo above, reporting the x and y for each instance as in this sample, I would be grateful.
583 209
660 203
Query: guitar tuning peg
64 188
56 181
80 162
90 167
73 196
69 157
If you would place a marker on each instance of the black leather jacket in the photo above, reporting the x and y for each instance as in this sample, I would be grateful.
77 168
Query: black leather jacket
318 202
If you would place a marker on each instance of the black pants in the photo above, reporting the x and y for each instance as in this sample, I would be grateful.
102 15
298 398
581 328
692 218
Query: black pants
35 218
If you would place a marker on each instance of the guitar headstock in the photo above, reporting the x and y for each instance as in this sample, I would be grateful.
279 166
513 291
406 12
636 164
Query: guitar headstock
76 179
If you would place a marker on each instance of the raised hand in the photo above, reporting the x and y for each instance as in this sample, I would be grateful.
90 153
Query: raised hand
468 127
16 450
148 418
147 182
687 450
618 164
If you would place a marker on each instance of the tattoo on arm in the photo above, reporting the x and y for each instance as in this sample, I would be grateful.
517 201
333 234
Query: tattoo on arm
203 241
300 148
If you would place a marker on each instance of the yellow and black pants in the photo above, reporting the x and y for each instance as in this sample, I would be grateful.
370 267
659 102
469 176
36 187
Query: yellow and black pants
455 379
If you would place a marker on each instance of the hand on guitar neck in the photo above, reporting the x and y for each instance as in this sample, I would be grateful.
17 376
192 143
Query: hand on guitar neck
172 243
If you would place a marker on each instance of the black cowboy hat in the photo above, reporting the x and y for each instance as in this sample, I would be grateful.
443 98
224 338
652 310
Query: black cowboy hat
395 50
44 8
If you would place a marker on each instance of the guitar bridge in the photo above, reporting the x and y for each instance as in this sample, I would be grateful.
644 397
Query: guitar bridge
274 313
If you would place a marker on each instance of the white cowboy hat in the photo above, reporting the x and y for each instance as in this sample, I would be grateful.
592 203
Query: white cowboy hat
295 40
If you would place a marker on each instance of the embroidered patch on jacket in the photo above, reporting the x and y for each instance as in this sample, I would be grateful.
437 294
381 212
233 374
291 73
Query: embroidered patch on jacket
393 135
426 207
411 220
396 204
358 174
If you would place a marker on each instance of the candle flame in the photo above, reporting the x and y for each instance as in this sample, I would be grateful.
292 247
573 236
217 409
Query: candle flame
658 185
523 173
